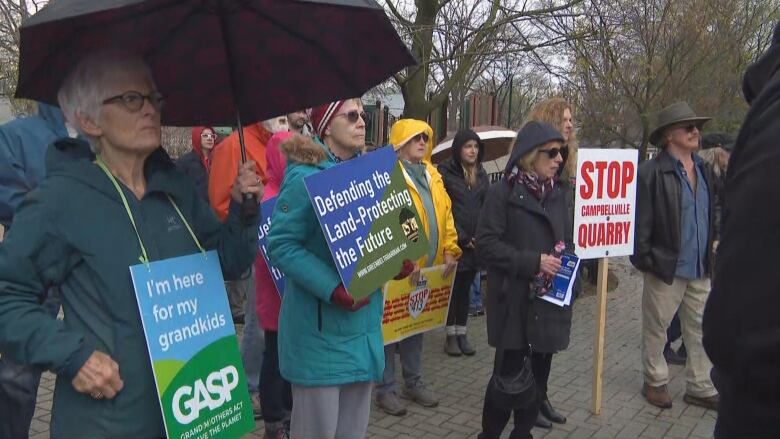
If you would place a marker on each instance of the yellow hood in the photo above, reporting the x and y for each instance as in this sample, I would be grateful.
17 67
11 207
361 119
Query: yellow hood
403 131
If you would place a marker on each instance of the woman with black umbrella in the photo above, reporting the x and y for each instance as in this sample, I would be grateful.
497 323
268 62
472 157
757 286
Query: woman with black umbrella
104 206
466 182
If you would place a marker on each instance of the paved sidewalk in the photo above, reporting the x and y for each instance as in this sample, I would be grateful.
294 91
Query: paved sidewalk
460 383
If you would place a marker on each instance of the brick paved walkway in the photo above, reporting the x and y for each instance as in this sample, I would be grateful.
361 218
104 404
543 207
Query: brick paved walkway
460 384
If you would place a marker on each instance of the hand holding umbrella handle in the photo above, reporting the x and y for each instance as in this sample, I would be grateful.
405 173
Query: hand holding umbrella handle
248 189
248 205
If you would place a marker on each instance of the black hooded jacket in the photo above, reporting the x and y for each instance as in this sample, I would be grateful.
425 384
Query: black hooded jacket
514 230
466 201
741 323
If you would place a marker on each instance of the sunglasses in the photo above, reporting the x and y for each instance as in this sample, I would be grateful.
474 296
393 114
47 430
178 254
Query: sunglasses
553 152
422 137
134 101
208 136
354 115
690 127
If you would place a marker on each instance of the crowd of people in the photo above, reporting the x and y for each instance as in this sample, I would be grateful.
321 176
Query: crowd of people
315 361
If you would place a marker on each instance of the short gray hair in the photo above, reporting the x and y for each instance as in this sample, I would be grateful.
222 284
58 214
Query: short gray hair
84 89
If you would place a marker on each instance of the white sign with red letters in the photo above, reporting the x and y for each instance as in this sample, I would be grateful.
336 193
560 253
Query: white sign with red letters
605 202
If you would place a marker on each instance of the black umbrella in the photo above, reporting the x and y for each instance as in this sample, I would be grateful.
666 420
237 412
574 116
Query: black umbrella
220 61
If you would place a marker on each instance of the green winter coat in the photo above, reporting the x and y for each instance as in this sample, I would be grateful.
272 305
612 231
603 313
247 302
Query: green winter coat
320 343
74 231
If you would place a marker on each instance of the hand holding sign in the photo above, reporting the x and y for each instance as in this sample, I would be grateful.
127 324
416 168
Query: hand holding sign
450 264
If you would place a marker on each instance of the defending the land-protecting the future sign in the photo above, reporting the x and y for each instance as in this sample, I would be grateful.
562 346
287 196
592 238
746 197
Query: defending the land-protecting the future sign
266 209
368 217
605 202
193 347
412 309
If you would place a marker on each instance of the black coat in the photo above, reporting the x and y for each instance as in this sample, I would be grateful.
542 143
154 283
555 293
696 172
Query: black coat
658 216
466 205
514 229
742 318
191 165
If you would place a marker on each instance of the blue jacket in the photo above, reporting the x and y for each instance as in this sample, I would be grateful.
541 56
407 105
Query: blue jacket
320 343
23 144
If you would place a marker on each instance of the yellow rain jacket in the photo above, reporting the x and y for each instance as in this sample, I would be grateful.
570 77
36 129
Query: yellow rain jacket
401 132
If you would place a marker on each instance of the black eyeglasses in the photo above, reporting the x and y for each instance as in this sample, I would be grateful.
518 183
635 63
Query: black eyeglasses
552 152
134 101
420 137
354 115
690 127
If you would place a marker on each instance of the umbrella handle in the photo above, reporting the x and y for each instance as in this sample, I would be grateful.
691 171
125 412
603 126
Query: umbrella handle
248 206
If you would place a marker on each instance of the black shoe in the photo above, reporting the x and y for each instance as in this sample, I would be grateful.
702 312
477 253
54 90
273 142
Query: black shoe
542 422
451 346
465 346
673 357
550 413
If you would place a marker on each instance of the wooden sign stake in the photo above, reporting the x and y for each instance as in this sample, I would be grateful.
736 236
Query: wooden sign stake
598 348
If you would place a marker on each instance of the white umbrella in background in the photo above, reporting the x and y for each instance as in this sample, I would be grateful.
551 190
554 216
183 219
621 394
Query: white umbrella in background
497 140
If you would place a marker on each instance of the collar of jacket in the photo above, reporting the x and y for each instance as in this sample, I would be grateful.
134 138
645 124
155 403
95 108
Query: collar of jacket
72 158
456 168
431 177
331 156
668 163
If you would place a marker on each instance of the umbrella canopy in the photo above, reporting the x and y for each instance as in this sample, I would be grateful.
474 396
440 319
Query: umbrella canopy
214 58
497 140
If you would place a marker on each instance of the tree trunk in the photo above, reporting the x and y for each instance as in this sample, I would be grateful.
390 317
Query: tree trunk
645 138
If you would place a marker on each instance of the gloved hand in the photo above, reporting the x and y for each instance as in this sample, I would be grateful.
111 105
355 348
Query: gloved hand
406 269
341 297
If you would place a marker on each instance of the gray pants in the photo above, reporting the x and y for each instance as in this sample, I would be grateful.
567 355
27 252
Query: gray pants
659 304
332 412
411 364
237 291
252 338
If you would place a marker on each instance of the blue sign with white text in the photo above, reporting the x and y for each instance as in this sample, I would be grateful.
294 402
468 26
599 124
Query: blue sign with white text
266 209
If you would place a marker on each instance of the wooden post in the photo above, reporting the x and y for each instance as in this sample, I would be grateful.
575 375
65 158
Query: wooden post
598 348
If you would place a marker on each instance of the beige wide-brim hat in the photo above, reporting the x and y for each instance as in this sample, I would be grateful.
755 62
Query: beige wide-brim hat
674 114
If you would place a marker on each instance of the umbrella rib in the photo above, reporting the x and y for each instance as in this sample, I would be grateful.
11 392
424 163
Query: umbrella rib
172 31
65 43
343 74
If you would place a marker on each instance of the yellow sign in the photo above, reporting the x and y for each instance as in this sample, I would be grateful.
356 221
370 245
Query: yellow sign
414 309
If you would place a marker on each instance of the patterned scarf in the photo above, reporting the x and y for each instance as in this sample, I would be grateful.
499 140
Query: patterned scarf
531 181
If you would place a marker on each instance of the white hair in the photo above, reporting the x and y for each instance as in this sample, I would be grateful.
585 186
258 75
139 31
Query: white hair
87 84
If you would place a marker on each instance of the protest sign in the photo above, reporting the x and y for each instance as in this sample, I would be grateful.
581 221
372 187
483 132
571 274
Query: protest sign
266 209
193 347
604 221
605 202
414 309
368 217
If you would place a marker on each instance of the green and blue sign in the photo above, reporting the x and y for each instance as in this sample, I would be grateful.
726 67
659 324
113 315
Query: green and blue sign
193 347
368 217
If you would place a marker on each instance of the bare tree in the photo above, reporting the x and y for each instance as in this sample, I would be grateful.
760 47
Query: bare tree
12 13
642 55
454 40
